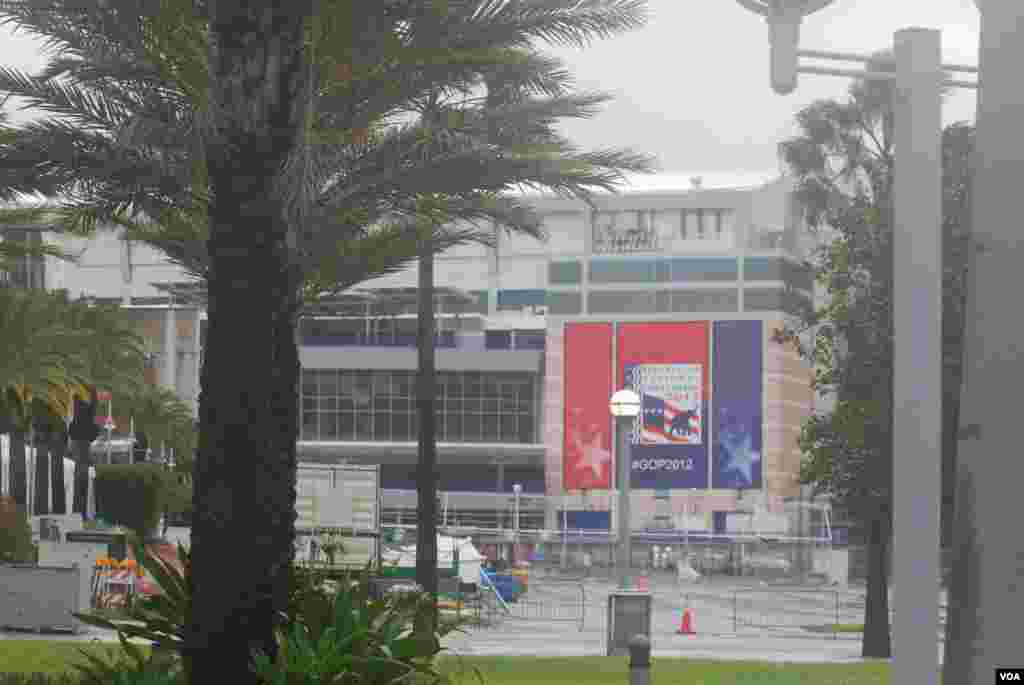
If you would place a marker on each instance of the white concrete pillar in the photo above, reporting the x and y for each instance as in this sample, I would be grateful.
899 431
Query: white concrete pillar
170 367
126 271
989 470
917 355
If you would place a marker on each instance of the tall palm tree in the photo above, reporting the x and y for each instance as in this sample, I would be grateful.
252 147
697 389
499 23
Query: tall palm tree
292 175
113 360
55 353
164 419
40 368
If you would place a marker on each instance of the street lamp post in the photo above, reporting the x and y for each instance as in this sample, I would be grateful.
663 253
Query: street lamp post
625 406
917 298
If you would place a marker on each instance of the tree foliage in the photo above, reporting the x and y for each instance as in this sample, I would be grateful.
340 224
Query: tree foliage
124 146
843 164
290 143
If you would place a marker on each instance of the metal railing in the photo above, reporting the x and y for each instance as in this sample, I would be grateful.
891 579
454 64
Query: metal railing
444 339
783 611
548 600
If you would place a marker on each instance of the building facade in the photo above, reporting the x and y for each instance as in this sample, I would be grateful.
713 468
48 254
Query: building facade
167 315
677 292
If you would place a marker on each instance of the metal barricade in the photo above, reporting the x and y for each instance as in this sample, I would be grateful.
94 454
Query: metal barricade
114 582
791 610
548 600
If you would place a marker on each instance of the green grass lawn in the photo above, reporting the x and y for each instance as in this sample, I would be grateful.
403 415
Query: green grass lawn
44 656
836 628
613 670
50 656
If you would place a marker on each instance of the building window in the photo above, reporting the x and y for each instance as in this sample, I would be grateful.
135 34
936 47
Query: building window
623 232
763 269
564 303
704 269
564 273
517 299
758 299
625 270
622 302
706 224
381 405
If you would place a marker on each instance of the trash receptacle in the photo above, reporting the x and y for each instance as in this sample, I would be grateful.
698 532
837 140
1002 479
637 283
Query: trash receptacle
48 530
629 614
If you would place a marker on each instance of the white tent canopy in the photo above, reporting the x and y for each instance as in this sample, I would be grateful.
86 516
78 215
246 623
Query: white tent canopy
470 557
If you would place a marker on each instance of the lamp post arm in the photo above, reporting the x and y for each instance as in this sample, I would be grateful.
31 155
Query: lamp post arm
813 6
762 8
754 6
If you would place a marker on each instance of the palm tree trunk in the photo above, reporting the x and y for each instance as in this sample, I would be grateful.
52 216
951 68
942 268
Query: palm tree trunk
58 450
243 527
877 642
83 460
41 503
426 478
19 470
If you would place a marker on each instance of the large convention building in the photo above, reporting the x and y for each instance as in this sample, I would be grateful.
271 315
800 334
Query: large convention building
673 291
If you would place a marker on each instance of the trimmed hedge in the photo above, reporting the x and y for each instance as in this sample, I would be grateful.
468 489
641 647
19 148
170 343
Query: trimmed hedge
132 495
15 534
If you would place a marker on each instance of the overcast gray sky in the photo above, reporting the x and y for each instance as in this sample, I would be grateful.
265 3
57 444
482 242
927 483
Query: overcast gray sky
691 87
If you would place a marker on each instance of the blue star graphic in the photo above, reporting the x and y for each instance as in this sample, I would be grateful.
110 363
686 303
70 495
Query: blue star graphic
738 455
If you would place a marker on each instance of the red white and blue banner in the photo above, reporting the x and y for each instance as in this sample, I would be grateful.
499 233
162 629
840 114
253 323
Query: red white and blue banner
671 401
738 388
667 365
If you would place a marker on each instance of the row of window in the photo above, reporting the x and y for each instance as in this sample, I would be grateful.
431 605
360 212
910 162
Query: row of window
381 406
364 386
707 300
675 269
642 230
395 426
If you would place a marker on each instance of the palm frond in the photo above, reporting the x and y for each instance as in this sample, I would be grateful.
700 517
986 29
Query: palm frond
67 100
559 22
11 250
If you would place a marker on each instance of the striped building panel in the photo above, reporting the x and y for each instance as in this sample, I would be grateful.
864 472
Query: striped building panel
552 409
788 397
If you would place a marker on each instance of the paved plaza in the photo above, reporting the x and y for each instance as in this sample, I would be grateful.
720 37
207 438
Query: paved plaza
733 618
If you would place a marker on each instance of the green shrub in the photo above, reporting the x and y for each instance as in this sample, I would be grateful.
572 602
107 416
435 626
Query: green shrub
131 495
15 534
346 637
325 629
130 667
178 496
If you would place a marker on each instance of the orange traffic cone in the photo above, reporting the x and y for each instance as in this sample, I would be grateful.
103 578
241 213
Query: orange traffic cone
686 624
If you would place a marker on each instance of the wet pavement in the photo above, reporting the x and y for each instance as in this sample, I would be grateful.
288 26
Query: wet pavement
734 619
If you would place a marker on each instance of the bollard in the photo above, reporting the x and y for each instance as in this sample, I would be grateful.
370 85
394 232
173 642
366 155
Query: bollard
639 660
